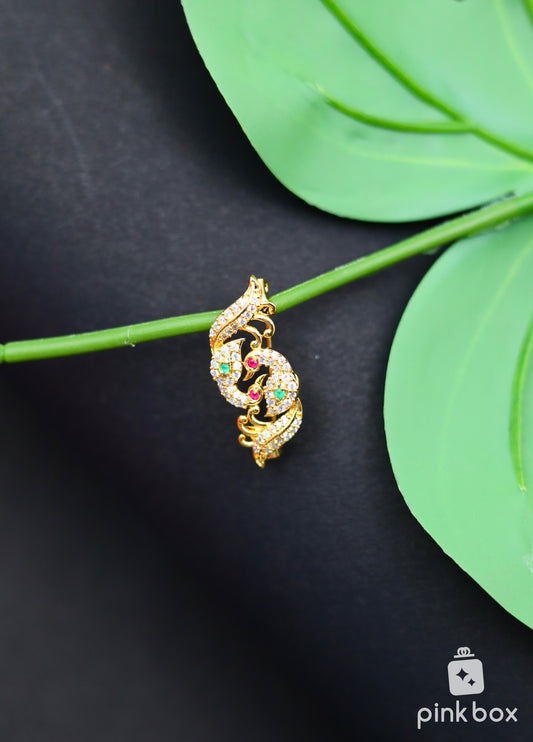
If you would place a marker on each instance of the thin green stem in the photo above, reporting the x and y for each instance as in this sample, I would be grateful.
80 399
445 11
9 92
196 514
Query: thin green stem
449 126
117 337
449 231
517 406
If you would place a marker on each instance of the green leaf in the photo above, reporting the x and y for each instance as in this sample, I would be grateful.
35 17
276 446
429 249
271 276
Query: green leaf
459 371
379 110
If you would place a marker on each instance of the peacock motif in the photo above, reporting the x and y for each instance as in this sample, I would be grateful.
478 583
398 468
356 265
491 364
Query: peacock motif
274 387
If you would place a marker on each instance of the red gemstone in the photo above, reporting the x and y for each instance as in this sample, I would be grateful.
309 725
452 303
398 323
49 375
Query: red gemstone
254 394
252 362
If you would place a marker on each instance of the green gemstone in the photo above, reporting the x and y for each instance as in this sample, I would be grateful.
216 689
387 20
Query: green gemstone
279 394
224 367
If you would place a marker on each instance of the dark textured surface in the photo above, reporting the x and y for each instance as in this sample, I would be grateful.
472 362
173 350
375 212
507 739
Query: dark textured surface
129 193
103 634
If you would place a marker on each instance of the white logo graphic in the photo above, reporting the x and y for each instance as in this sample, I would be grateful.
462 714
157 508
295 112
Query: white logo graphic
465 678
465 674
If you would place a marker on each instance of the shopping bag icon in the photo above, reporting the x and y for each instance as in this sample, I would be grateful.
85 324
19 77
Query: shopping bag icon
465 674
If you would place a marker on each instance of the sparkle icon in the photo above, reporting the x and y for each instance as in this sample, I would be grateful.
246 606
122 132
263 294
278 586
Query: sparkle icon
465 674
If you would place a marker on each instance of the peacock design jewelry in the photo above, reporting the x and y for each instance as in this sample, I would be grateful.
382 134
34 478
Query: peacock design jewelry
272 394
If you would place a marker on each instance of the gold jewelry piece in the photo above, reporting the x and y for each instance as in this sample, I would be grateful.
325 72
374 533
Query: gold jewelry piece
273 394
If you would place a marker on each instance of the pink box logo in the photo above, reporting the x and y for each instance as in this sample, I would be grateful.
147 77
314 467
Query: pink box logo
465 674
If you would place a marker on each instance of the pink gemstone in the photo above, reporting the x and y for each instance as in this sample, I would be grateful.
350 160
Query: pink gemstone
252 362
254 394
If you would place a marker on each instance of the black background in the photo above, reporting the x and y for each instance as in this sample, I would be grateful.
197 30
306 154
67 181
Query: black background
154 583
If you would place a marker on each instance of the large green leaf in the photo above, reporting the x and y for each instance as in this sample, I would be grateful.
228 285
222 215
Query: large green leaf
450 389
385 110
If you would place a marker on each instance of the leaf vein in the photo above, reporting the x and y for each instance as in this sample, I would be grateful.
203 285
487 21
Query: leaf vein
510 38
529 9
512 271
418 90
427 127
516 426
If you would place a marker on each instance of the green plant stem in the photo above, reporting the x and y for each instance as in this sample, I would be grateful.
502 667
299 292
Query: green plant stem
449 231
517 406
